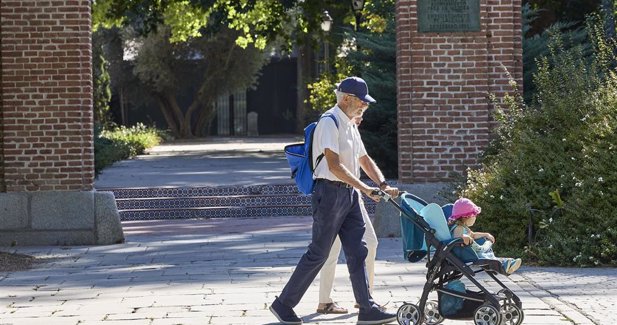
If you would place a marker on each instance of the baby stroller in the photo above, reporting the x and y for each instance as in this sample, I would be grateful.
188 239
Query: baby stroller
425 232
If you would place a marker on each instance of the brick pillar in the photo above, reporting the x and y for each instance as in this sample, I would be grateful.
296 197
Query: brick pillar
46 145
46 119
444 79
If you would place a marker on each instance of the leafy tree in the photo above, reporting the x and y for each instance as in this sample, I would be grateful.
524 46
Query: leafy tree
102 87
259 22
609 9
371 54
553 11
218 65
535 45
128 92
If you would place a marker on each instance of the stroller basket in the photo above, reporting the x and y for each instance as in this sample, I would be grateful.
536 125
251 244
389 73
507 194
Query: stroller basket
459 306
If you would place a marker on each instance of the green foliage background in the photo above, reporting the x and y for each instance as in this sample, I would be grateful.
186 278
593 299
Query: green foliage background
546 182
102 87
370 54
122 142
535 44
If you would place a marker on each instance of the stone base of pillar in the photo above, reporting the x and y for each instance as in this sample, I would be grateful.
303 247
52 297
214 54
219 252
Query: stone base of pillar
59 218
386 220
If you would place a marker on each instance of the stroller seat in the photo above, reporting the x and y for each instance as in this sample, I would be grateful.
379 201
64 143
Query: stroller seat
435 216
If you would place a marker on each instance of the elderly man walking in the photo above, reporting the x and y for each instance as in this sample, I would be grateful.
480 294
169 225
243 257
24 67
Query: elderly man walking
336 206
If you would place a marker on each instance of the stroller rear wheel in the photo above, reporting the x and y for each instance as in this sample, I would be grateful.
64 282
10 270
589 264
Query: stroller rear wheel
409 314
511 314
487 315
431 312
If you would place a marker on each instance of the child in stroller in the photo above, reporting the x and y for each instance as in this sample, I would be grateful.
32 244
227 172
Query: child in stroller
451 261
464 213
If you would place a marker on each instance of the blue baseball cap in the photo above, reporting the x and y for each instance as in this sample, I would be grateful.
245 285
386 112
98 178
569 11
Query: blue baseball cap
355 86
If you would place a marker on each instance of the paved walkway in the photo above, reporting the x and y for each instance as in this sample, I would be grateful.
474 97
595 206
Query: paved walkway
204 162
228 271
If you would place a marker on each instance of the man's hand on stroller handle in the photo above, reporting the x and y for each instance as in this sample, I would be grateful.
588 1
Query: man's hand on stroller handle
387 194
392 191
373 194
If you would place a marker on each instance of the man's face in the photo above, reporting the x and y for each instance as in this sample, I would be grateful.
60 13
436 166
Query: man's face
356 105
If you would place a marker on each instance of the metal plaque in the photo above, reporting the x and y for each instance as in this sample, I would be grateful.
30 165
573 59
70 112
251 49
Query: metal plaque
447 16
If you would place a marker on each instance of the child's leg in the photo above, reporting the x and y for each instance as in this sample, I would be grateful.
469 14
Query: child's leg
510 265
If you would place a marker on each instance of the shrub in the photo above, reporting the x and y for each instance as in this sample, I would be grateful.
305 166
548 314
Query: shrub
546 181
123 143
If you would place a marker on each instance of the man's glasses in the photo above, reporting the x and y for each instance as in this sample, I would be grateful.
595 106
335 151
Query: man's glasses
358 98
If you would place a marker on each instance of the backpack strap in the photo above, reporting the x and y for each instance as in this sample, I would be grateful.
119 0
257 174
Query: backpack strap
320 157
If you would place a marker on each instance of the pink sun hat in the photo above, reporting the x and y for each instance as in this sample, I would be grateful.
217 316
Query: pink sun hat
464 208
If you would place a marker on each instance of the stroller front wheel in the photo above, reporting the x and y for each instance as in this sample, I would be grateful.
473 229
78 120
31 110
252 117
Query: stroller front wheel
487 315
409 314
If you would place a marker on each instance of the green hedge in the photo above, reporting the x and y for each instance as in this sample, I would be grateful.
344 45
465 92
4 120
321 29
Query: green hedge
547 183
123 143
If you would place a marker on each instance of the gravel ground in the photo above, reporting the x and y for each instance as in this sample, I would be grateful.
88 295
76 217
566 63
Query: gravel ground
10 262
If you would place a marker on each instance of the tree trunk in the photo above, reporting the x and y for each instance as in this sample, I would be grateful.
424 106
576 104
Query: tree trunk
188 117
174 108
305 67
206 114
300 92
184 129
208 94
168 115
123 114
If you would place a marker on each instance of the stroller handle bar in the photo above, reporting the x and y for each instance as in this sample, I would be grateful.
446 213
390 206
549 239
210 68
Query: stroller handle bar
386 196
419 223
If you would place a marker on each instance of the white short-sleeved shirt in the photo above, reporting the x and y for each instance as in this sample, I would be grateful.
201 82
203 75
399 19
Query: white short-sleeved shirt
344 141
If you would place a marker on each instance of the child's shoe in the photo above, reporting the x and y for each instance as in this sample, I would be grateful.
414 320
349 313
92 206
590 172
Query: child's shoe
512 264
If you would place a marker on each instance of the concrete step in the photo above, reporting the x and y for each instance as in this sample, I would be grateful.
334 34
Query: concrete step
214 202
151 192
216 212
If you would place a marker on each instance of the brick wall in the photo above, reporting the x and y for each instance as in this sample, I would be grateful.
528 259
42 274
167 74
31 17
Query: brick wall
2 185
46 95
444 115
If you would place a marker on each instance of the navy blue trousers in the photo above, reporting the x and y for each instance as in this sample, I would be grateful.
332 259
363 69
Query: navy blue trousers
336 210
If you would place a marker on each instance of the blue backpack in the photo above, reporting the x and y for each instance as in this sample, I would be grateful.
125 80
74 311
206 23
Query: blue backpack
300 157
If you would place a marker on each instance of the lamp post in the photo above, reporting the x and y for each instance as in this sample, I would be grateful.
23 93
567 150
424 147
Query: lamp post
326 25
357 6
